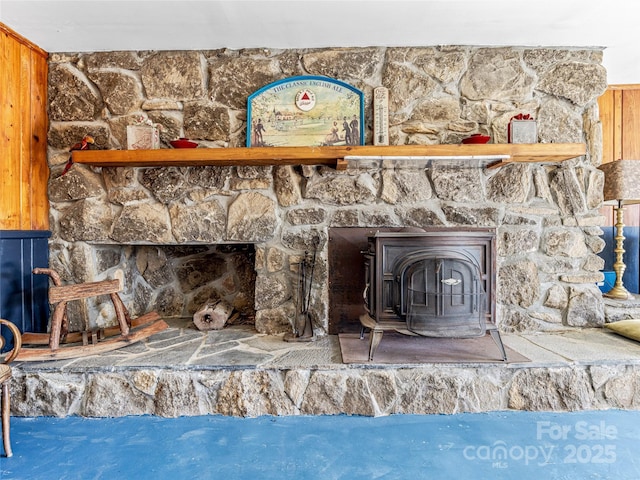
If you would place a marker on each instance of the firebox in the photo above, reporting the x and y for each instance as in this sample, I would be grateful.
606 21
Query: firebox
437 283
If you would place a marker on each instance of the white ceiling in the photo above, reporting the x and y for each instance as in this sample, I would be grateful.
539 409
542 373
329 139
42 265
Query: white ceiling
104 25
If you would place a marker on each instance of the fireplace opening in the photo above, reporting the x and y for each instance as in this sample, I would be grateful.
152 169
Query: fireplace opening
175 280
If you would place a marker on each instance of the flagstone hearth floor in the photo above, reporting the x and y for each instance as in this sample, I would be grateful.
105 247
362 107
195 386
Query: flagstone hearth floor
184 347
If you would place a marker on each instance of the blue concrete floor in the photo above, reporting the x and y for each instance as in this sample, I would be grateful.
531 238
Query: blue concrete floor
505 445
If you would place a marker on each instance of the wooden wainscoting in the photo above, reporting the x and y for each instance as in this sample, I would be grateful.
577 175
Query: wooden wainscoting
24 171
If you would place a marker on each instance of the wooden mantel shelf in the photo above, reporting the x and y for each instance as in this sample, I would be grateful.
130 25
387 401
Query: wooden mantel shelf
331 156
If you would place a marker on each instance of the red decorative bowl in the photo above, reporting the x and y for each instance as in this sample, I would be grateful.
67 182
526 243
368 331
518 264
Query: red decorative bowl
183 143
477 138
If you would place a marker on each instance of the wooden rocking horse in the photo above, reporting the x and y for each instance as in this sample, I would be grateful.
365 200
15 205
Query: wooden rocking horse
63 344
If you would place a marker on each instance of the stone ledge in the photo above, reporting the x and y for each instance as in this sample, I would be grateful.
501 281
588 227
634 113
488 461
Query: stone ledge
237 372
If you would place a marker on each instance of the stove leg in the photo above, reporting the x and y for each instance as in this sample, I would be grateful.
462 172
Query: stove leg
374 340
495 334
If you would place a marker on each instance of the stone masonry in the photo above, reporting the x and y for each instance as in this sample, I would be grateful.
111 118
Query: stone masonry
545 215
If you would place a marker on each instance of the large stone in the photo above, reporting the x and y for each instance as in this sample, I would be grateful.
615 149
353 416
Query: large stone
445 63
254 172
71 97
594 195
517 241
64 135
286 185
115 177
54 394
175 396
295 385
404 83
170 124
620 385
142 223
85 221
211 178
122 196
233 79
541 184
166 184
557 297
457 185
198 270
328 391
377 218
542 59
564 242
253 393
272 290
202 223
576 81
540 389
123 60
595 243
121 92
306 216
405 186
274 321
585 307
419 217
152 263
170 301
250 184
76 184
566 186
174 75
108 392
304 239
360 63
426 392
559 123
511 184
345 218
439 111
205 121
518 284
275 259
251 218
593 263
480 217
497 74
107 257
341 189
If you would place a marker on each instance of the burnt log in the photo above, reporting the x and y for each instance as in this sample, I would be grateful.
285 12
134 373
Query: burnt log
212 315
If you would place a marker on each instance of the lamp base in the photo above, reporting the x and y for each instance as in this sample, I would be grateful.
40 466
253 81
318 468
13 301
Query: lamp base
619 293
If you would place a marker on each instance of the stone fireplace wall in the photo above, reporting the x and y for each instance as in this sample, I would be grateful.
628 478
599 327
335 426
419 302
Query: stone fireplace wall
546 215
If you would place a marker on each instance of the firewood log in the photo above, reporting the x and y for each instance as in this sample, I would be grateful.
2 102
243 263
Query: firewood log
212 315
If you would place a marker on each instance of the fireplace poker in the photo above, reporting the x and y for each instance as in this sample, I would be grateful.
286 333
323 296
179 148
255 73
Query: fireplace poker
303 328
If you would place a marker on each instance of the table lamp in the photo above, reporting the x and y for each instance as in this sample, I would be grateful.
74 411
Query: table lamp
622 184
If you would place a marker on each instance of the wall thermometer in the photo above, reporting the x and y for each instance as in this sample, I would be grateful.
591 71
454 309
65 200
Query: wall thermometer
381 116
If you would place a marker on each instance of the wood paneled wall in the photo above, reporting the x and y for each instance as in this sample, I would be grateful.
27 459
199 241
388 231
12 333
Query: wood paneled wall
24 171
620 117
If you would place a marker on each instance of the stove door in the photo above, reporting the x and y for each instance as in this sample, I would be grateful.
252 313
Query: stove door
444 298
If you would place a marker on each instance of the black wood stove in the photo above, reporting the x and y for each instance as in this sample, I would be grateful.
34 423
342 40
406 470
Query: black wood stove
437 283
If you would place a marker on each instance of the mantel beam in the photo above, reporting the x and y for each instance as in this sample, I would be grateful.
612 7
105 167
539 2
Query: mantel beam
331 156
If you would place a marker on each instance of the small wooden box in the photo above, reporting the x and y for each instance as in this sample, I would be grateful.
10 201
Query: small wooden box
142 137
523 131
